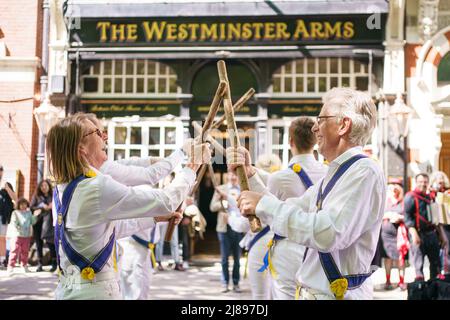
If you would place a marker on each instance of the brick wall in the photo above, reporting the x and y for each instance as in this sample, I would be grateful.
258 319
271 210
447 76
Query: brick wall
21 30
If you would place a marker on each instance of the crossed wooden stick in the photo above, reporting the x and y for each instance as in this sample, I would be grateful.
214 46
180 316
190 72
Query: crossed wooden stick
223 94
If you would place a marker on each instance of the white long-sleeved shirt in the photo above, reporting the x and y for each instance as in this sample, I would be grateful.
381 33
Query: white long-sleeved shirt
347 226
137 171
99 202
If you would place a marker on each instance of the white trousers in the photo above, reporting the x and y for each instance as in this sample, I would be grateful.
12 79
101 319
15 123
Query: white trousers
286 258
260 282
73 287
135 270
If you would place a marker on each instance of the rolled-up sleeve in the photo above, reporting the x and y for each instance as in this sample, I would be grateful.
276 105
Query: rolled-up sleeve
128 227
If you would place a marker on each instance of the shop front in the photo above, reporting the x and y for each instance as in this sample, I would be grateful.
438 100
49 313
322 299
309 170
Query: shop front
148 70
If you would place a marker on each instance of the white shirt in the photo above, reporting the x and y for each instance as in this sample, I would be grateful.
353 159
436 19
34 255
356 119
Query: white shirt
137 171
98 203
348 225
286 183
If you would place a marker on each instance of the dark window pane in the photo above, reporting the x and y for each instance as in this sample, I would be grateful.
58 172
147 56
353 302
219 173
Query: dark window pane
129 85
140 67
151 67
130 67
162 85
117 85
162 69
288 67
140 85
135 152
167 152
311 84
345 63
107 67
136 136
153 153
322 84
345 82
119 154
322 65
151 85
299 66
356 66
90 84
107 88
288 84
276 84
362 83
299 84
170 136
334 65
153 136
333 82
118 67
120 135
311 65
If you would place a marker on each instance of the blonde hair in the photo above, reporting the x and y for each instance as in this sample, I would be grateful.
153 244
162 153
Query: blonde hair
268 162
92 117
63 141
356 105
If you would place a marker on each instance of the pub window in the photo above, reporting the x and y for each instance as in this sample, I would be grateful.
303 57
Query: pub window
129 77
315 76
147 138
443 73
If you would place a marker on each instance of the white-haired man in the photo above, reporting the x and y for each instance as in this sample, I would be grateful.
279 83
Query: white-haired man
339 218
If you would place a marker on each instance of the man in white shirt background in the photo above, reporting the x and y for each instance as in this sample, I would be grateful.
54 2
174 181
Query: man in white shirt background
344 221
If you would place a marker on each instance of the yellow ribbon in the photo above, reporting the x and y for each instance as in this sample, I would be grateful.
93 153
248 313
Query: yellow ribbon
151 246
269 258
297 292
246 264
114 257
339 287
88 273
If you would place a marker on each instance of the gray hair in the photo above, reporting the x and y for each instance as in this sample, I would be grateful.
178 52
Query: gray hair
356 105
438 174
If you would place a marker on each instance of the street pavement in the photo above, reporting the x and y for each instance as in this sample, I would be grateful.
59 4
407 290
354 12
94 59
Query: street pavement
200 282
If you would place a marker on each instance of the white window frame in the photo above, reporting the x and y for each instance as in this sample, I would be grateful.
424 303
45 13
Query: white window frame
145 126
167 76
285 122
281 74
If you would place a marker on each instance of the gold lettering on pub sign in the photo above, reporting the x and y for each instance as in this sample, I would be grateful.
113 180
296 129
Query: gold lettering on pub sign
163 31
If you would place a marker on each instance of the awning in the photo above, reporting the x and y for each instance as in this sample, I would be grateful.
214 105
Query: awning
251 52
79 8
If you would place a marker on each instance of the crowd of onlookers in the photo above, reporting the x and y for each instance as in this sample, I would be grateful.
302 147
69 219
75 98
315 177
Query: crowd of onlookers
23 222
409 231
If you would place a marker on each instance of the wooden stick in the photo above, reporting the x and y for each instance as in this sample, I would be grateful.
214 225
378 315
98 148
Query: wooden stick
255 223
236 107
215 104
217 146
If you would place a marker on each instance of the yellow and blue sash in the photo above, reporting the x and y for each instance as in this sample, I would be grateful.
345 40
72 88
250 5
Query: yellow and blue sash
339 284
267 260
88 268
148 244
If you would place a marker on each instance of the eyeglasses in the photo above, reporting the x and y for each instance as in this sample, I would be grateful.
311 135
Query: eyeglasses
319 118
97 131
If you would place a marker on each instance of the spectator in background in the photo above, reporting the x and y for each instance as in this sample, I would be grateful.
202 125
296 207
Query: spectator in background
392 219
7 199
43 230
19 233
440 185
228 238
423 234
